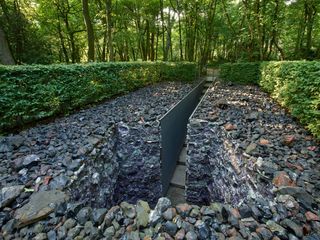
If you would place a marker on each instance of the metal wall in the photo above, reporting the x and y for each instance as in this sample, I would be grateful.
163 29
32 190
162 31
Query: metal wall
173 133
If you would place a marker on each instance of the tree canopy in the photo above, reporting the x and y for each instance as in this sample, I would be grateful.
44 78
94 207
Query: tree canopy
72 31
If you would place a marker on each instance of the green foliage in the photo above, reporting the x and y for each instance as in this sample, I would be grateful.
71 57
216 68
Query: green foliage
244 73
294 84
30 93
180 71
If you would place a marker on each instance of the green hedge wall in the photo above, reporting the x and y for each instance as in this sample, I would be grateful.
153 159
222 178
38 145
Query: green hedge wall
243 73
294 84
34 92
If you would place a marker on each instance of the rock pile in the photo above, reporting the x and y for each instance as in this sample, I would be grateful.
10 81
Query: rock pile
244 150
133 222
95 158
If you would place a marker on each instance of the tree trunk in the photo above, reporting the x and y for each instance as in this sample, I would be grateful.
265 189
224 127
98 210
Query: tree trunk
311 12
165 54
63 47
5 53
109 21
90 33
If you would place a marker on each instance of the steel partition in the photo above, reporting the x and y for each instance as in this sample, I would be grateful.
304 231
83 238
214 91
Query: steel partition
173 133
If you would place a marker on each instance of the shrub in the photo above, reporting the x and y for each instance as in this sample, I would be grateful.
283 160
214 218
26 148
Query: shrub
181 71
243 73
33 92
295 85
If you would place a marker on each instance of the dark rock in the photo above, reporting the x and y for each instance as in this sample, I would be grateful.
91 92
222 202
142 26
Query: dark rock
98 215
169 214
171 228
245 211
38 228
277 229
62 232
72 208
73 232
293 237
9 194
4 217
4 147
59 182
69 223
61 209
264 233
293 227
253 116
31 160
304 198
162 205
249 223
191 236
9 227
84 215
203 230
256 213
74 165
314 236
109 233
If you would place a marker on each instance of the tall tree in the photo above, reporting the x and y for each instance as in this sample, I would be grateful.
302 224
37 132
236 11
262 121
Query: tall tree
5 53
109 22
90 32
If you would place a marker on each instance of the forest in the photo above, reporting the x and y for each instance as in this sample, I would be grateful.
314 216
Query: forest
203 31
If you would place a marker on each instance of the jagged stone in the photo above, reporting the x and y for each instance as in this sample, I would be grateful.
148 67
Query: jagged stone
41 204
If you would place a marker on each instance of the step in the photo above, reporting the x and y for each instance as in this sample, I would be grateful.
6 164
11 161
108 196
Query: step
179 176
176 195
209 79
183 157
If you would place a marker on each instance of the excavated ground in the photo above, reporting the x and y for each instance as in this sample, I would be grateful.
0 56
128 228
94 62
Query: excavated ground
253 166
96 158
246 151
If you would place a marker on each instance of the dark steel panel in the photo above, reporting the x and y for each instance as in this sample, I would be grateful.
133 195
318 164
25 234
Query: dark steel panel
173 133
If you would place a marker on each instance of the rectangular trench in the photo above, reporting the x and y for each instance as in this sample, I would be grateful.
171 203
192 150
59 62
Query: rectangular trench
173 133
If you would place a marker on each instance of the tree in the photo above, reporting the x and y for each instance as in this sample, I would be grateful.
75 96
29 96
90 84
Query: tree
5 53
109 22
90 33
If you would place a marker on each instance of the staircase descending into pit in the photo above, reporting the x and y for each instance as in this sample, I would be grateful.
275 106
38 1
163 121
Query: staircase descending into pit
176 192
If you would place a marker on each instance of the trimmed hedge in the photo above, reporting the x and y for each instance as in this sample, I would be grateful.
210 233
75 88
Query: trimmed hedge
34 92
295 85
243 73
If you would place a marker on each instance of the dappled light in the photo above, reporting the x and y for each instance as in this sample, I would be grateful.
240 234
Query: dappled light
160 119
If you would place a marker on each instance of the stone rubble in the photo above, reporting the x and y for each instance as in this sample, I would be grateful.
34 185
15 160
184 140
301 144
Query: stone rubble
246 151
79 166
95 174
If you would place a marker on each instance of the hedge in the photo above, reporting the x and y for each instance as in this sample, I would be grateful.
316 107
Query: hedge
243 73
294 84
34 92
